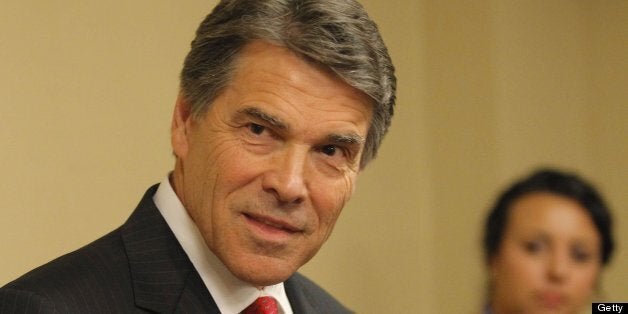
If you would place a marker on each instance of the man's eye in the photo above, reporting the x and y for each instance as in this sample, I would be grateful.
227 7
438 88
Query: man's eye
256 128
330 150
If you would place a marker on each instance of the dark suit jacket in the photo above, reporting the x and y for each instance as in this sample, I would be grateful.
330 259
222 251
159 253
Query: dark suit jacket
138 268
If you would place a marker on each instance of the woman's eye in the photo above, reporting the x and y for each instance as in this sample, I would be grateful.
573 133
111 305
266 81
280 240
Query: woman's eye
256 128
580 255
532 246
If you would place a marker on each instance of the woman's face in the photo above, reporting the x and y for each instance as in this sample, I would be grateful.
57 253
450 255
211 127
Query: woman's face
549 258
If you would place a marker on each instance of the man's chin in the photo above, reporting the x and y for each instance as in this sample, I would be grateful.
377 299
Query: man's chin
263 280
264 272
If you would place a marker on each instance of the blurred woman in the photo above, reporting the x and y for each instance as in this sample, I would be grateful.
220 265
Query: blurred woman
546 241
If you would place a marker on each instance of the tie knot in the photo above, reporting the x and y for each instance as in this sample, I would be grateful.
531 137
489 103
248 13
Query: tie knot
263 305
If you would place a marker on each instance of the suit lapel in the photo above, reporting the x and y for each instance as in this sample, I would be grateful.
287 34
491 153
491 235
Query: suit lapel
299 302
164 279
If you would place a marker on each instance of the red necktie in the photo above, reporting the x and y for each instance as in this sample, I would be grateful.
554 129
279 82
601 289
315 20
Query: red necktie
263 305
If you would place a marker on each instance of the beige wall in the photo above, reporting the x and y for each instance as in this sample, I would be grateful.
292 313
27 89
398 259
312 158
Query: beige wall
487 91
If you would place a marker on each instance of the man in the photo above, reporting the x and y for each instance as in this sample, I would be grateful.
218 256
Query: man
282 103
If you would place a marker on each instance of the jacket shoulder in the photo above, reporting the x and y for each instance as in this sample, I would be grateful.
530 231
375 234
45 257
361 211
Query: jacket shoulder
20 301
94 277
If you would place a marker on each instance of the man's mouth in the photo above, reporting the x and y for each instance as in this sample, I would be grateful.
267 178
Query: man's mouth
271 225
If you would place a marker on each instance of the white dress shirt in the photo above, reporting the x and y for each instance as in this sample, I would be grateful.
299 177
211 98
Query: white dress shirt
231 294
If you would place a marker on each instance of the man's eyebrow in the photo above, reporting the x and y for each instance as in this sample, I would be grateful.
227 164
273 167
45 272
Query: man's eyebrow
350 138
264 116
257 113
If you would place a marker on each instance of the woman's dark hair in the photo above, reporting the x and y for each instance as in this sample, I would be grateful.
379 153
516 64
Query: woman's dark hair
555 182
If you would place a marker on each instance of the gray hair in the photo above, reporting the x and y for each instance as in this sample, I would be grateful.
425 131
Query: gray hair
337 34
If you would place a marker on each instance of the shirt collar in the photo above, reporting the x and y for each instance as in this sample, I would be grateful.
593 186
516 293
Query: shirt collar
231 294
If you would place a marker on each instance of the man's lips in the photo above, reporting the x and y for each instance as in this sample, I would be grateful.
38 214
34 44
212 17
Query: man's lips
272 224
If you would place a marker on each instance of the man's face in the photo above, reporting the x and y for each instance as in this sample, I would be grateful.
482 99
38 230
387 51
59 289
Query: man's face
266 171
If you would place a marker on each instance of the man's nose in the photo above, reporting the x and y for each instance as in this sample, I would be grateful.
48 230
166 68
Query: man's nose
285 178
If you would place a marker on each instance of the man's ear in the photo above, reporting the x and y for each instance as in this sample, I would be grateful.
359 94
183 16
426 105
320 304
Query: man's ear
180 129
